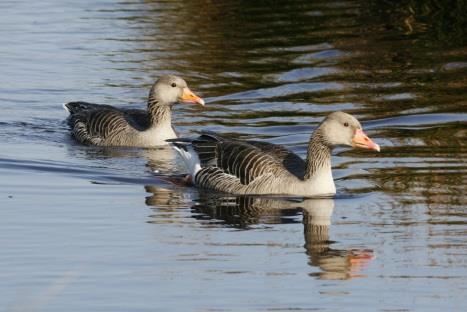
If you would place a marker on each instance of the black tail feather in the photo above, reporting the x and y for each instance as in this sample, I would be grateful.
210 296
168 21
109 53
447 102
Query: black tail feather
79 106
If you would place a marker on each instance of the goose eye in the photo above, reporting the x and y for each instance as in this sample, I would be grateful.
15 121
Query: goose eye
346 124
174 84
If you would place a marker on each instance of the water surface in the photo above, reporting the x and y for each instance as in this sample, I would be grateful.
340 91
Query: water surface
91 229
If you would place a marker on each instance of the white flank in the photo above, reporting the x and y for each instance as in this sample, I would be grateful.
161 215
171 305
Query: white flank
66 108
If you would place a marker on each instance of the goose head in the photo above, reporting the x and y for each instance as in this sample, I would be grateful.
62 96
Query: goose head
340 128
170 89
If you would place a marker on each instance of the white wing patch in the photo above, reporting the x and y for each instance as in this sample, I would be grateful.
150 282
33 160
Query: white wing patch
190 158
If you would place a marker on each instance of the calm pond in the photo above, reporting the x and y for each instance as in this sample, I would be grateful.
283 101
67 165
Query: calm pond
92 229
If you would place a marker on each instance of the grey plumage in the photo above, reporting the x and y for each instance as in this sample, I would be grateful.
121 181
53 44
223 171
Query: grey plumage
251 167
240 167
105 125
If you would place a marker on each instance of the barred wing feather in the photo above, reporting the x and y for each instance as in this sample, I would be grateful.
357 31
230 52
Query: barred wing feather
97 126
291 161
231 161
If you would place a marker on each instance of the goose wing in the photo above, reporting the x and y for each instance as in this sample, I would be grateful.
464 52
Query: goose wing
139 118
224 164
99 126
291 161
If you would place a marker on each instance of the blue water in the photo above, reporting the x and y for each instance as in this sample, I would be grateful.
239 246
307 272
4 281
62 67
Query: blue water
91 229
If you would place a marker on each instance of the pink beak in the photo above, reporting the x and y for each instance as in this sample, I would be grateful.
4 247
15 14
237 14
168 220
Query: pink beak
361 140
189 97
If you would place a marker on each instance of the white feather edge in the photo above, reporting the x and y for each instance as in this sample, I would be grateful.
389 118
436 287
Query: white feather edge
66 108
190 158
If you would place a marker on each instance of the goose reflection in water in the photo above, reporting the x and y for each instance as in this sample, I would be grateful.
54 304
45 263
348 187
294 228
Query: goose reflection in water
124 164
334 263
245 211
158 159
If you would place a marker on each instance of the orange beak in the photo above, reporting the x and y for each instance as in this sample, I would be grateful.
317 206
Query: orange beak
189 97
361 140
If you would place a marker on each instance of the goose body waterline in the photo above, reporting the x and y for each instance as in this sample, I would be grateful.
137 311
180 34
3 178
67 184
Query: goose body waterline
105 125
251 167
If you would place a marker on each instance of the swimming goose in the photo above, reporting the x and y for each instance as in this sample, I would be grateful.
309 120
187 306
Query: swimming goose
251 167
105 125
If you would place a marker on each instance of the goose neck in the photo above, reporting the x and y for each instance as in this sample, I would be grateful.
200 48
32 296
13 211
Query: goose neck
318 156
159 113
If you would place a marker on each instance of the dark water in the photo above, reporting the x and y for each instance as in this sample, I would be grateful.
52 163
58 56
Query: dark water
87 229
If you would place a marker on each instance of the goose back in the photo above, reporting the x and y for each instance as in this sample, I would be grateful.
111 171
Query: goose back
291 161
101 127
234 166
138 117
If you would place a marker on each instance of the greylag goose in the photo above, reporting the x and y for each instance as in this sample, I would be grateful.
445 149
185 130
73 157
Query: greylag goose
251 167
105 125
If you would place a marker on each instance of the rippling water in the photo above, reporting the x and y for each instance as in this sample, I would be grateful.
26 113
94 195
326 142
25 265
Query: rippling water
90 229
